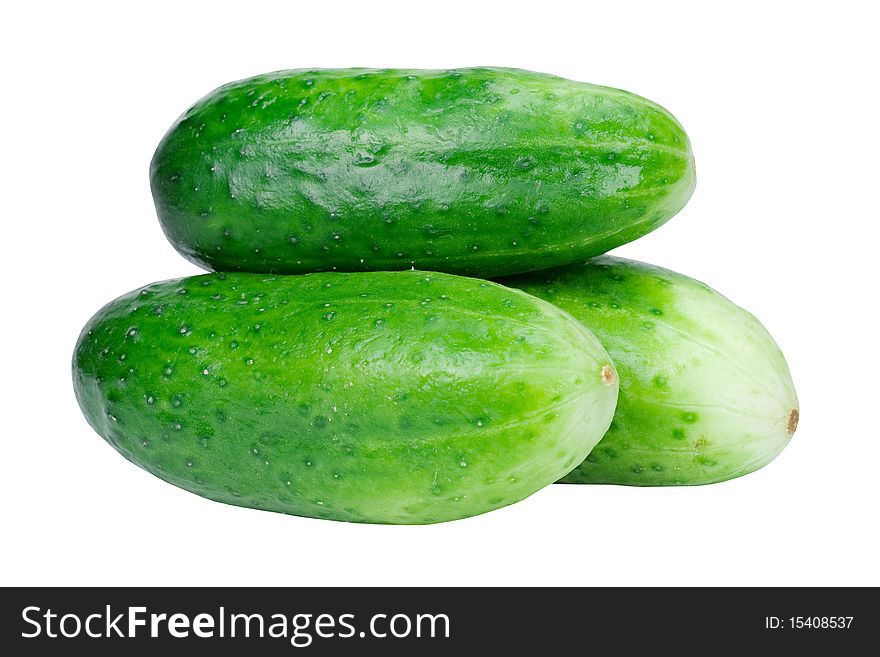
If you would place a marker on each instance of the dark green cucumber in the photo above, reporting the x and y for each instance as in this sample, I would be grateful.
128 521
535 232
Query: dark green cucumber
479 171
390 397
705 393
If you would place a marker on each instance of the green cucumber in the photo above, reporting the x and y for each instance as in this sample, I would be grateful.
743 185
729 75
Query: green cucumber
705 393
386 397
477 171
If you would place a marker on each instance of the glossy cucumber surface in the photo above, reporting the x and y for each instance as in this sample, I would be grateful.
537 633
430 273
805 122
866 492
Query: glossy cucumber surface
705 393
387 397
477 171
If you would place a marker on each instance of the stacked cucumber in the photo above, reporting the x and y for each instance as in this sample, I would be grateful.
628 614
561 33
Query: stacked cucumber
348 360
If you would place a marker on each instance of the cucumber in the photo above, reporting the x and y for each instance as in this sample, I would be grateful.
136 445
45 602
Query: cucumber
478 171
387 397
705 393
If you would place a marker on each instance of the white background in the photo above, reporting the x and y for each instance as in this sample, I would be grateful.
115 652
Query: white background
780 100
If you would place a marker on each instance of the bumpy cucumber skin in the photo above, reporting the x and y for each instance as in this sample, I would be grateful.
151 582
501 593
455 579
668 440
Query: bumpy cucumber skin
705 393
479 171
387 397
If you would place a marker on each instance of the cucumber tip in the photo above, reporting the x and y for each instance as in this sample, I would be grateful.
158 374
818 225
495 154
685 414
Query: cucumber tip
609 376
792 421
